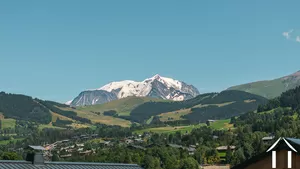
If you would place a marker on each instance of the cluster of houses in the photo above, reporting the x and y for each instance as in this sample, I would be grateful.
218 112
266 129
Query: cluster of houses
66 148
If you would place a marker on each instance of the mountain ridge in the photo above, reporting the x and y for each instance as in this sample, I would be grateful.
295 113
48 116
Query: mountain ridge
270 88
156 87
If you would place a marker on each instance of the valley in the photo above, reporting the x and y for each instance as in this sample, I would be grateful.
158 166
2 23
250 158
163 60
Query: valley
203 124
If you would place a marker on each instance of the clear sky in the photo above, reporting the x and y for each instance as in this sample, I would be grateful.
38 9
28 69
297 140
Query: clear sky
55 49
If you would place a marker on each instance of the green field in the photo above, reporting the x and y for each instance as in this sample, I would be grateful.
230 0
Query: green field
170 129
95 118
8 123
122 106
221 124
267 88
149 120
218 125
43 126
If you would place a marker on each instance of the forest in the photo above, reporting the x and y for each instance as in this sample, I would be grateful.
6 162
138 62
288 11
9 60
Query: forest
279 117
238 98
24 108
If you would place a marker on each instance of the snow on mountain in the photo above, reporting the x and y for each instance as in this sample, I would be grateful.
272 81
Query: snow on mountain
69 102
156 86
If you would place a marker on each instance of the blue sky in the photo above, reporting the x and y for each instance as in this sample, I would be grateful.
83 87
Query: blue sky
55 49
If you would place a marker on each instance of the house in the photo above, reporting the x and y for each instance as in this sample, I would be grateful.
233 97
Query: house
79 145
191 150
65 141
175 146
138 140
224 148
268 139
65 156
128 141
283 154
215 137
35 160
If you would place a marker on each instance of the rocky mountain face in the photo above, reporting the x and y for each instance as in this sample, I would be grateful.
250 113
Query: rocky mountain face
156 87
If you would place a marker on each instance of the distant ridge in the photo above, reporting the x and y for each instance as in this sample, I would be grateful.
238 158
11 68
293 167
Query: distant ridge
270 88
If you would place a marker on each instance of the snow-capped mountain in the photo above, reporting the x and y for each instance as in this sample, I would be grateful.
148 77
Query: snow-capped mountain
156 86
69 102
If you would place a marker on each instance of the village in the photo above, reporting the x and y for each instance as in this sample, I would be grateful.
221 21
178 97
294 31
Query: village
87 144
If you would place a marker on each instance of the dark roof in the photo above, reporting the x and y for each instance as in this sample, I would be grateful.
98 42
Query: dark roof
36 147
65 165
280 144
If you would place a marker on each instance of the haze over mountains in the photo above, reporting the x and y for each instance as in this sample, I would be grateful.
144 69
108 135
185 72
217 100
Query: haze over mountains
155 87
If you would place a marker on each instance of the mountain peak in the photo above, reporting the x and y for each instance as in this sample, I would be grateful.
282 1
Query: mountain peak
156 86
157 76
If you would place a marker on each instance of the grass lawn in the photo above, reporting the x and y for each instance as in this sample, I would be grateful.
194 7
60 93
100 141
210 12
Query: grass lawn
221 124
174 115
8 123
42 126
170 129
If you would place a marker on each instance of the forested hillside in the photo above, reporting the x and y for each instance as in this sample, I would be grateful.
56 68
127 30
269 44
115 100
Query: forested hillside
71 114
279 117
238 102
23 107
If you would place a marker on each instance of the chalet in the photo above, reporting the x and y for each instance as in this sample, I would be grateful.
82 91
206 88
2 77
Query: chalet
66 156
224 148
138 140
211 121
79 145
191 150
215 137
283 154
65 141
268 139
94 135
175 146
87 152
106 143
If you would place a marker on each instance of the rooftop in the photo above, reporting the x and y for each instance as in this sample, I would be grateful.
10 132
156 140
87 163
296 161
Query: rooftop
65 165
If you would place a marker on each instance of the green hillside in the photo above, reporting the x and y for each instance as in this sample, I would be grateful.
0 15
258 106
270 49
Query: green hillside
123 107
23 107
49 114
270 88
202 107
